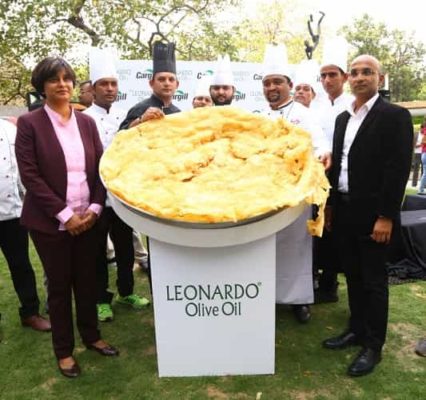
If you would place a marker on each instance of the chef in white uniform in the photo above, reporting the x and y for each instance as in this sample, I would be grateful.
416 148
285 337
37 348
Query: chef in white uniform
328 106
222 86
202 97
306 83
333 78
294 283
13 236
108 118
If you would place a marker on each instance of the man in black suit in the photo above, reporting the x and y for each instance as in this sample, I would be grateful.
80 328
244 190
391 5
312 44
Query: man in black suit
372 148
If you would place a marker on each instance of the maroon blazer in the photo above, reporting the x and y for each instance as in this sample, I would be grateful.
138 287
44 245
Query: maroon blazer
43 171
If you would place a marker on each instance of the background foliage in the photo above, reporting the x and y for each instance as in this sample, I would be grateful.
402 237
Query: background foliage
202 29
402 57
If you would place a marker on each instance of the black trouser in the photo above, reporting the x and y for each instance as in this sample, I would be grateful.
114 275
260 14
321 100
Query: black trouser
122 238
363 261
326 258
14 245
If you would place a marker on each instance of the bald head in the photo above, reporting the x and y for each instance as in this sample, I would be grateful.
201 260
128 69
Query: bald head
365 77
368 58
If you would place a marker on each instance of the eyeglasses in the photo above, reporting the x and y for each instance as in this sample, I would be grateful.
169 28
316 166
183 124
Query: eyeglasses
363 71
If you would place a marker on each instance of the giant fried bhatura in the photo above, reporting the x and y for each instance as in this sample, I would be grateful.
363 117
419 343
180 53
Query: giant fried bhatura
212 165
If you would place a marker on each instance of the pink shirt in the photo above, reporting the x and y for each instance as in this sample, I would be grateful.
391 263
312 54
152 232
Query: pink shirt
78 193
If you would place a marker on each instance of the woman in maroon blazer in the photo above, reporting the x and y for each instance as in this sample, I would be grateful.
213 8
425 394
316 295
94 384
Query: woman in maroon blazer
58 151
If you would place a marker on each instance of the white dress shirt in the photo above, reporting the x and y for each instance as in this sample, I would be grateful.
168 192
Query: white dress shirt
352 128
10 184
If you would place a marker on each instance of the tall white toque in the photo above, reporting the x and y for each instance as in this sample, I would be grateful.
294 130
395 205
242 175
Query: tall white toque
223 72
203 87
335 52
275 61
307 73
101 64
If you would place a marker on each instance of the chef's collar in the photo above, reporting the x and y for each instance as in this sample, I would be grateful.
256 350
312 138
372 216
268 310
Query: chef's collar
285 105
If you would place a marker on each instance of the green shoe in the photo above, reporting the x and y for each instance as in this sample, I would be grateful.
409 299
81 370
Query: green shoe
105 312
134 301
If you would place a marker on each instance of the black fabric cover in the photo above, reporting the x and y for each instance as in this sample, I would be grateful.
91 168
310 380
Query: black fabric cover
414 202
164 57
412 264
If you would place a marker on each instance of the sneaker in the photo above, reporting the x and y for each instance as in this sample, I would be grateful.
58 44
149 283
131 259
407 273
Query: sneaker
105 313
134 301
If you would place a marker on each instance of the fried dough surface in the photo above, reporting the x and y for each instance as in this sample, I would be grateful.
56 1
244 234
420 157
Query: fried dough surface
215 164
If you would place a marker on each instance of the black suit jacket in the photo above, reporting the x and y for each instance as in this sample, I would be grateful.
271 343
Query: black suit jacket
379 161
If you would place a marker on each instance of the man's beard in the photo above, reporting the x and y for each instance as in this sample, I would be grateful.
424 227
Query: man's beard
225 102
273 97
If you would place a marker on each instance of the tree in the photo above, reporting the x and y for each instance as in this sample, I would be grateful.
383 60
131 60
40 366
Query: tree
422 94
30 30
275 23
402 57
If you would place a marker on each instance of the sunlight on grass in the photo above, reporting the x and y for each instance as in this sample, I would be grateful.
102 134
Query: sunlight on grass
304 370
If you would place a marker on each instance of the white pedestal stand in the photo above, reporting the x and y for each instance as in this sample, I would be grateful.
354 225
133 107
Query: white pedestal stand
214 294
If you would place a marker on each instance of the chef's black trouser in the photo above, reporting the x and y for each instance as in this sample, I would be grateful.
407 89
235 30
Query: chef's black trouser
121 236
14 245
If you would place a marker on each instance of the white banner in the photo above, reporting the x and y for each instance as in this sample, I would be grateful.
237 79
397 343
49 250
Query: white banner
134 76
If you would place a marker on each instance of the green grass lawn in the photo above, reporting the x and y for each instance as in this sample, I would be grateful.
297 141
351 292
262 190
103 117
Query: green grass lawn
304 371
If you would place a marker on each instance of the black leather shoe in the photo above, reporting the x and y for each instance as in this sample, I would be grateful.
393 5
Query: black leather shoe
364 362
72 372
302 312
104 351
342 341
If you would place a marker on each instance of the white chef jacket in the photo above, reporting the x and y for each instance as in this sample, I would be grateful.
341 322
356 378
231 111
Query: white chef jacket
294 280
327 112
297 114
10 184
108 124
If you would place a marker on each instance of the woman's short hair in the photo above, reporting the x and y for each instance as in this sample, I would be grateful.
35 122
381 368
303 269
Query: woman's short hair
49 68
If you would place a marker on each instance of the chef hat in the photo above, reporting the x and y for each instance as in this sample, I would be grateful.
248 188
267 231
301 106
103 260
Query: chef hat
223 72
307 73
335 52
101 64
275 61
203 87
163 56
